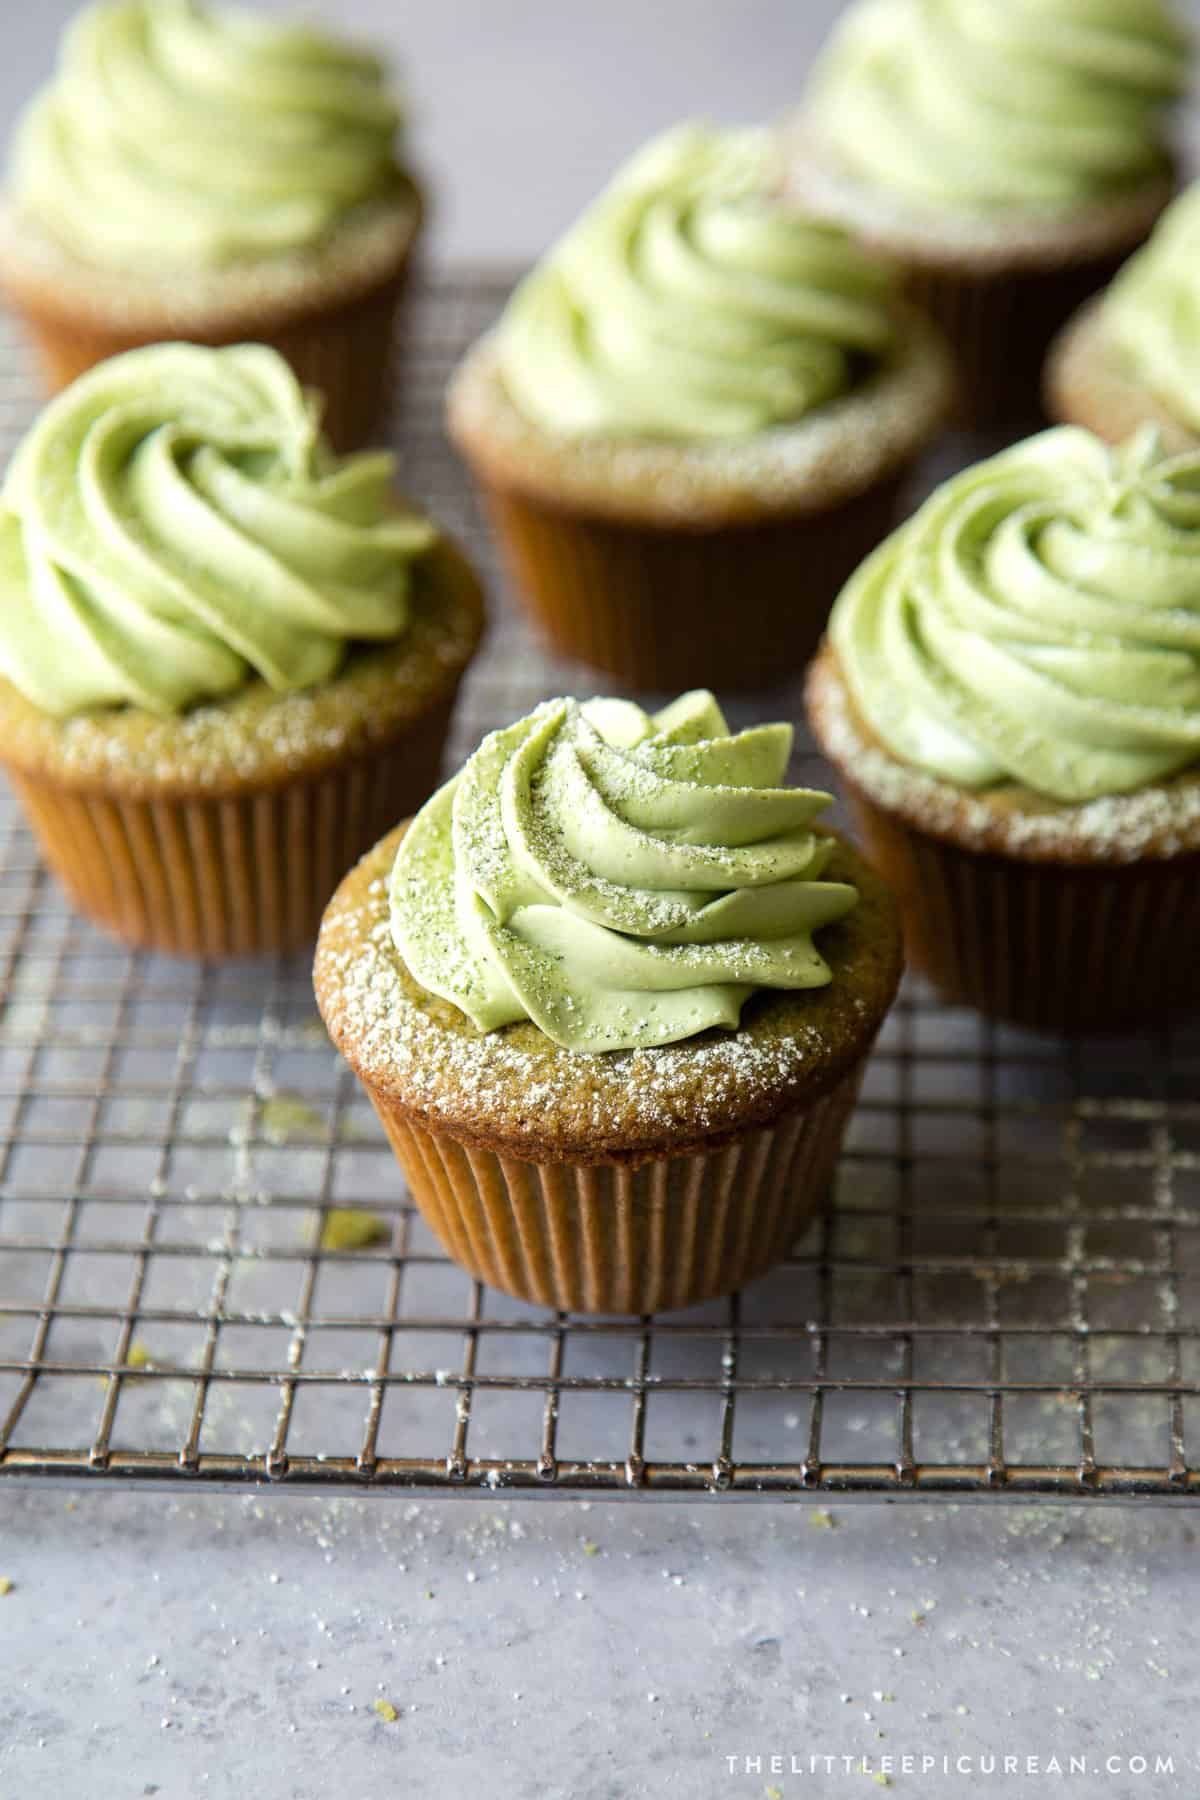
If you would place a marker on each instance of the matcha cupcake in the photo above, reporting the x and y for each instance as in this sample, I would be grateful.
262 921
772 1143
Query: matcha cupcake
1010 690
226 655
694 417
611 993
1132 357
204 173
1010 153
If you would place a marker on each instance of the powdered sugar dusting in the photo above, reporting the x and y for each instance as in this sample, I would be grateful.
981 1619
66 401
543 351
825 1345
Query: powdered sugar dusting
1158 821
257 734
364 249
1001 238
834 452
426 1055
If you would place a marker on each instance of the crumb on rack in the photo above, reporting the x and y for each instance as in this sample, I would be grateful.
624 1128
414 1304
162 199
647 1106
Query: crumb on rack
349 1228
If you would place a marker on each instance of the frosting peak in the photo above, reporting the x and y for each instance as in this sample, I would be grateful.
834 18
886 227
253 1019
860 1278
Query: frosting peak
1038 620
620 878
196 135
686 303
175 522
985 104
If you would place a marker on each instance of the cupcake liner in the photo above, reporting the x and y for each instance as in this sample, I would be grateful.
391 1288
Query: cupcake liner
1062 947
344 352
624 1237
223 875
735 607
999 325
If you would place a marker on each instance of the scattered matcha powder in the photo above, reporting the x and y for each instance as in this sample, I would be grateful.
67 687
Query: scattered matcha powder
348 1228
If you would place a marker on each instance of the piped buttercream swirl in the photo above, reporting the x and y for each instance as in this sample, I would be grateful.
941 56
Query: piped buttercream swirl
687 303
191 135
622 879
977 105
174 523
1038 621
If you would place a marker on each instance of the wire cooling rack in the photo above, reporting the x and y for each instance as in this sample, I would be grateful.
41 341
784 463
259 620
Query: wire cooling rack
1004 1297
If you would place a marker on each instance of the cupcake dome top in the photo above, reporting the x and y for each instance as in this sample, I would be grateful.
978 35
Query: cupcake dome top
193 135
621 879
1151 312
687 304
980 105
1038 621
174 523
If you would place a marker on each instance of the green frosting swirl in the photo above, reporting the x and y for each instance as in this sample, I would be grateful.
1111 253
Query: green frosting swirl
982 104
1038 620
174 522
1152 311
178 133
621 879
687 304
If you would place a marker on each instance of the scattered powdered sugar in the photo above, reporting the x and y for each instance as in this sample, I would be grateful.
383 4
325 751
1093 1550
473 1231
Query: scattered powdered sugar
255 733
831 454
1158 821
423 1052
1089 383
362 251
818 180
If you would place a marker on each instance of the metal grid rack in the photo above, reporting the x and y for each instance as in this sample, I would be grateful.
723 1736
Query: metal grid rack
1003 1299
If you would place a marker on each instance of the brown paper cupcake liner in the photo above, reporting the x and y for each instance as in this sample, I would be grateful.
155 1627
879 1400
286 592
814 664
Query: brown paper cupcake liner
999 326
624 1237
240 874
344 352
733 608
1066 948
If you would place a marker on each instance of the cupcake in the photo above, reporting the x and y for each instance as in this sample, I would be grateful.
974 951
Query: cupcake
200 172
1010 153
226 655
611 992
694 418
1010 691
1132 357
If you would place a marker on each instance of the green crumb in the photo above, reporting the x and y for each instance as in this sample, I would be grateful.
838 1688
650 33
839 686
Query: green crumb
590 1549
429 1594
773 1793
277 1119
349 1229
286 1116
822 1520
386 1711
882 1780
6 1585
917 1618
138 1357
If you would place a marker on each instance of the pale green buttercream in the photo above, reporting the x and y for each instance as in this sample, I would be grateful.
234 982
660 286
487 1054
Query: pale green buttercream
1038 620
686 303
175 522
621 879
1152 310
175 133
982 104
